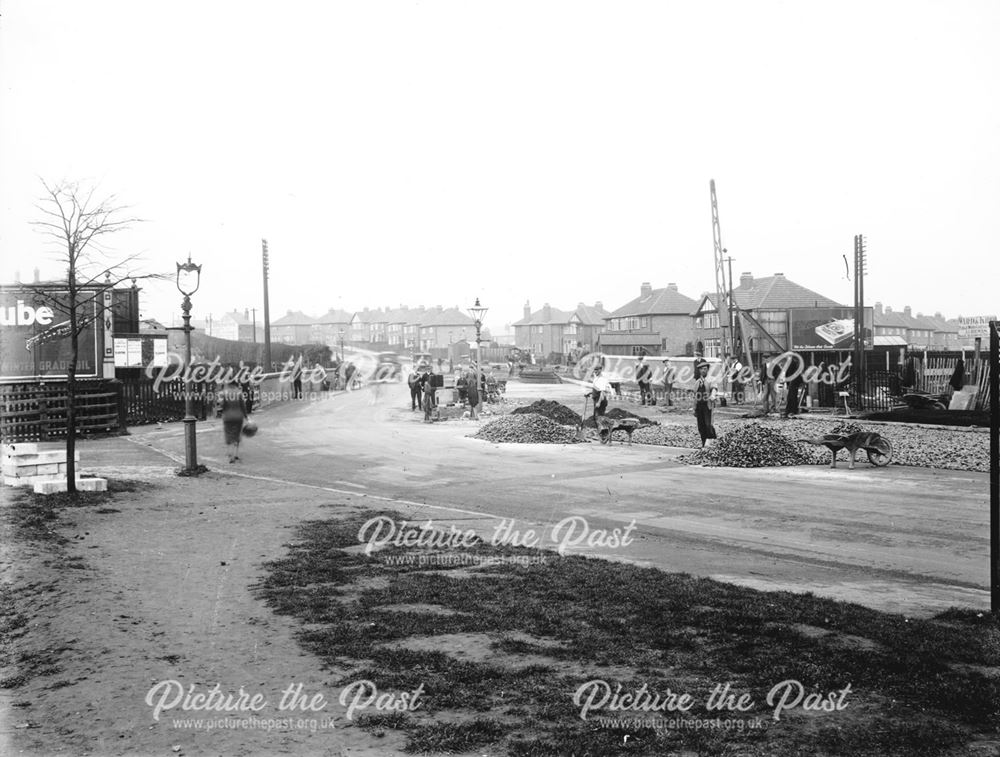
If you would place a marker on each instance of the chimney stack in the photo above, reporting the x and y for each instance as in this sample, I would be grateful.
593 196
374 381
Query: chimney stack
38 277
779 275
599 305
939 316
17 277
906 310
672 286
547 312
527 310
878 308
746 280
645 289
888 308
246 313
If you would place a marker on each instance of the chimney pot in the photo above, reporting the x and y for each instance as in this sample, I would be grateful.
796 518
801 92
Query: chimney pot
780 274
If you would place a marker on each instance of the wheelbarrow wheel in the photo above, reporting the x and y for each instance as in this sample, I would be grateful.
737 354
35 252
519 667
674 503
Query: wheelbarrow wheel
880 458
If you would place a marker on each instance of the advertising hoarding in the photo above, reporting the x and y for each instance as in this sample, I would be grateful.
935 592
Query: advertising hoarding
826 328
974 326
34 334
140 350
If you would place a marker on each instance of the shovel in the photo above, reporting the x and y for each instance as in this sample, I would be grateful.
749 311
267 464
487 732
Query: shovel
580 433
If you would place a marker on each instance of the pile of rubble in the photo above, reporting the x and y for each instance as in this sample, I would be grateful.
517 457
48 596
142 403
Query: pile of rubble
526 428
751 446
552 410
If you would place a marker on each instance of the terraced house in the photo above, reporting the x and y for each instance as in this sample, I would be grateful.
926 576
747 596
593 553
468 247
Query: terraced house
903 329
292 328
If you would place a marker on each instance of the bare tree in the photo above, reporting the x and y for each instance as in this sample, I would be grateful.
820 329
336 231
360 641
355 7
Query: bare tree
77 225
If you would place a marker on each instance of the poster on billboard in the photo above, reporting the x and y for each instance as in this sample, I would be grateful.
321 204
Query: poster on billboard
826 328
34 334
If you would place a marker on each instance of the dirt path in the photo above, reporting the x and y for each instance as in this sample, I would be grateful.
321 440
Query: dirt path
162 592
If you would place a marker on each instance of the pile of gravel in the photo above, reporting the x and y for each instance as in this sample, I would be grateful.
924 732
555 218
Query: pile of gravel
552 410
526 428
751 446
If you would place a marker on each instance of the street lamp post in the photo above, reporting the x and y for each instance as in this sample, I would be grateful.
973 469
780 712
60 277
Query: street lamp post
478 312
188 281
341 345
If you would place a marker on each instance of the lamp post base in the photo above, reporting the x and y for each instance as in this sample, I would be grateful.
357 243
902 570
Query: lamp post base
190 445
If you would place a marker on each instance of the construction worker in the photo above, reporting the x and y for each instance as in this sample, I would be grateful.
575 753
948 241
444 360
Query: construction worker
601 392
644 376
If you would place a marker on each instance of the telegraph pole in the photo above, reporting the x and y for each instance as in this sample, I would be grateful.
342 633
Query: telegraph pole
995 466
254 312
267 314
860 267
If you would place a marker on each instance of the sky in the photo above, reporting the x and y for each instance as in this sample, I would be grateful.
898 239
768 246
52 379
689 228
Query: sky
429 153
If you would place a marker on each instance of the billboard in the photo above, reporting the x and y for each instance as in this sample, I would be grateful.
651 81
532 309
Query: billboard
975 326
34 333
826 328
140 350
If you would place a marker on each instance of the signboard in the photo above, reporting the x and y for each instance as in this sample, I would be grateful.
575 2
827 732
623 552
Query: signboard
826 328
973 326
138 351
34 333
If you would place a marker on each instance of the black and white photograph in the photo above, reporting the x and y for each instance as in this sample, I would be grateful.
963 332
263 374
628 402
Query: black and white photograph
500 379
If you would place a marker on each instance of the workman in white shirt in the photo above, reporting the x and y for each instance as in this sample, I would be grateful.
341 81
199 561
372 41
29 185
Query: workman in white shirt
601 392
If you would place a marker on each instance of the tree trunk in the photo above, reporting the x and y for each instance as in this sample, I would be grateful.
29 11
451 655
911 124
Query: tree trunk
71 387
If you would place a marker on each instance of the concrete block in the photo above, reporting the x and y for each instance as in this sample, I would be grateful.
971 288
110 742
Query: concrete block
46 470
19 470
31 448
16 482
38 458
82 484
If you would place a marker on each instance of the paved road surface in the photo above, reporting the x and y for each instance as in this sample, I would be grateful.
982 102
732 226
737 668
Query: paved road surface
902 539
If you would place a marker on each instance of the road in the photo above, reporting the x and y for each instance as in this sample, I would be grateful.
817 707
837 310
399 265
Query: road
908 540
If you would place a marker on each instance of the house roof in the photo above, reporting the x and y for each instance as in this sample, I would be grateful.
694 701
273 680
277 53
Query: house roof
446 317
333 315
236 317
405 315
590 315
546 316
770 293
901 320
294 318
665 301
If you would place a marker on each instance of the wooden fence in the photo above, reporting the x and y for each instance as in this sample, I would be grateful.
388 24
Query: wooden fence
143 402
36 411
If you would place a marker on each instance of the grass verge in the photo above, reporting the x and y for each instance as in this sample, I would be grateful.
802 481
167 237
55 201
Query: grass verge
500 650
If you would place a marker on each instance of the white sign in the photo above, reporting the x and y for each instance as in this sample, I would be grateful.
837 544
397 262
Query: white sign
133 352
159 352
120 352
970 327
